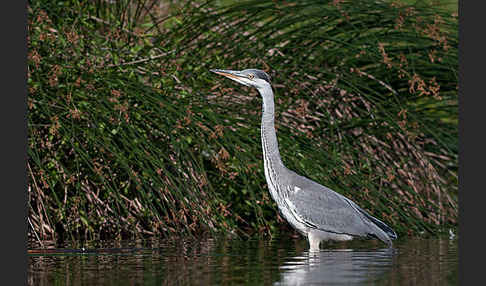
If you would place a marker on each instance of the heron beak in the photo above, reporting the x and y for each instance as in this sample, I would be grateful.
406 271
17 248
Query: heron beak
234 75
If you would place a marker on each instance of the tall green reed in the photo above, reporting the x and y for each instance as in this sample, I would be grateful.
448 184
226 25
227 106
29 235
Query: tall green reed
130 135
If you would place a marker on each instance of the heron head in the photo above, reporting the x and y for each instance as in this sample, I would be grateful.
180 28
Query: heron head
249 77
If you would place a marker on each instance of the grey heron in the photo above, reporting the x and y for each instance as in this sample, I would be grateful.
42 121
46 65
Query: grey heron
317 212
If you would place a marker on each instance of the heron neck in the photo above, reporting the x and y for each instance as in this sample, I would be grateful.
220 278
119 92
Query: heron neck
271 153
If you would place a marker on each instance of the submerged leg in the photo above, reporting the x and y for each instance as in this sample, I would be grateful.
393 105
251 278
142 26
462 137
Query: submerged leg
314 242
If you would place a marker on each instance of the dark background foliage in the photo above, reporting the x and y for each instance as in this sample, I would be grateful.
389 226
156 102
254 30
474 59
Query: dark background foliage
130 134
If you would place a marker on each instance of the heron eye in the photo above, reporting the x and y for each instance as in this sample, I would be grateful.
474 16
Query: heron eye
251 76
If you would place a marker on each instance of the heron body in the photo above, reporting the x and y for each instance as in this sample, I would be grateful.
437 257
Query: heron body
317 212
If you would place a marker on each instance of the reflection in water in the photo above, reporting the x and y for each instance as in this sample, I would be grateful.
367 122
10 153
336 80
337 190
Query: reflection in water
236 262
339 266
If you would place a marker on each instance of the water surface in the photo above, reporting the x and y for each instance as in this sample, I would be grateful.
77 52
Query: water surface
281 261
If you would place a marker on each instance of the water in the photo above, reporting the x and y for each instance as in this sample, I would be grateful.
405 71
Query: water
282 261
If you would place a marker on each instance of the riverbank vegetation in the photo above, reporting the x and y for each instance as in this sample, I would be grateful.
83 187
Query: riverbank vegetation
130 134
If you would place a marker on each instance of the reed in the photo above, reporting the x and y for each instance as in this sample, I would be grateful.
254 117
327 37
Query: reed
129 134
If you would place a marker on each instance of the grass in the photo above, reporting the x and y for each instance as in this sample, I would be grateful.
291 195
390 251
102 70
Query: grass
130 135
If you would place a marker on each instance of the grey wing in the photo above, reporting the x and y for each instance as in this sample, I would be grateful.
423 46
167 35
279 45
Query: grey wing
322 208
